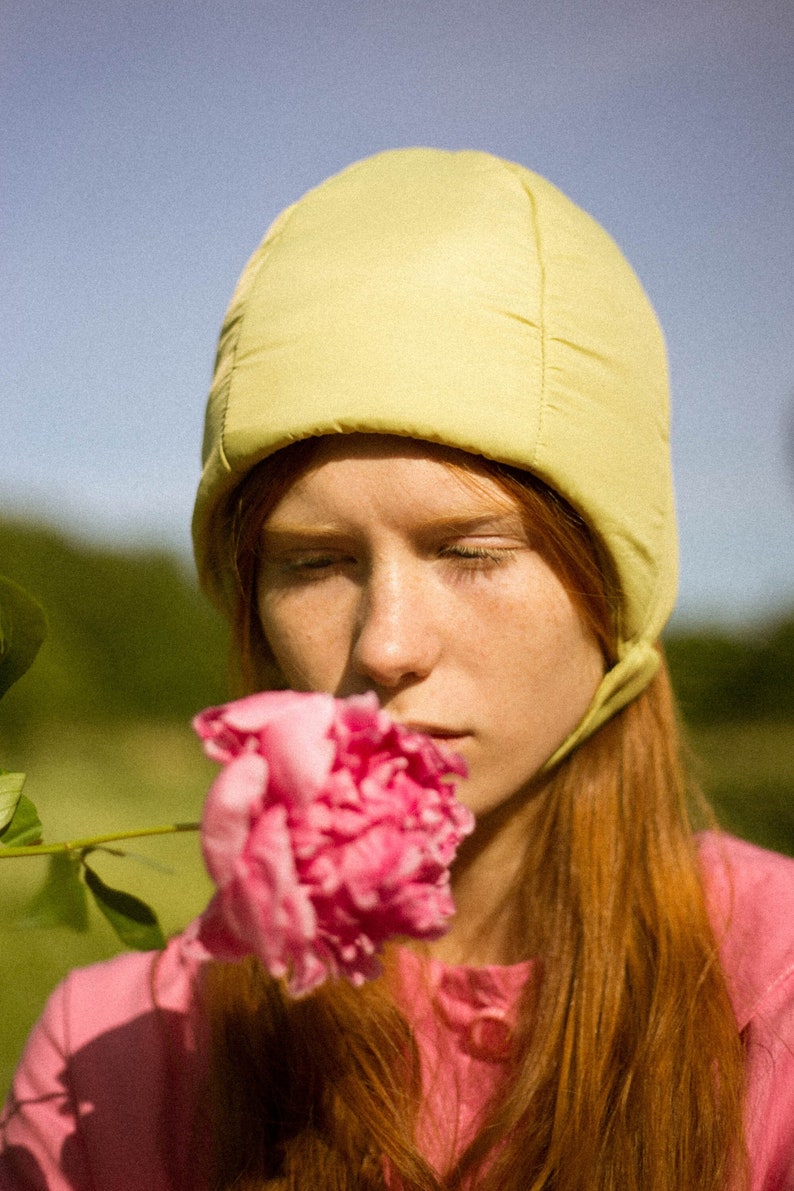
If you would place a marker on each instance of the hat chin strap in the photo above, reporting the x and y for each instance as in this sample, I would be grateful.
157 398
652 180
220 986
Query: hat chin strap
630 675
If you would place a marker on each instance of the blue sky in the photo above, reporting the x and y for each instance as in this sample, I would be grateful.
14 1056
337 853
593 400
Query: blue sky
147 146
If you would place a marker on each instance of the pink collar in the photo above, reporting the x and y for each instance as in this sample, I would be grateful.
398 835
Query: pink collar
479 1005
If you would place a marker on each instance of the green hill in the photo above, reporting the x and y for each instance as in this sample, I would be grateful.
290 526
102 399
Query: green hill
130 636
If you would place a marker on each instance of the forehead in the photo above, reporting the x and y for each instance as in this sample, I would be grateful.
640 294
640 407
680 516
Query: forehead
389 471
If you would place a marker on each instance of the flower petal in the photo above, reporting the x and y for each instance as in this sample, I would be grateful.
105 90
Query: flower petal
299 751
233 801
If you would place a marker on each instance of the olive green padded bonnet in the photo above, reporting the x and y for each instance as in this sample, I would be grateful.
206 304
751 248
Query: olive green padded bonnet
464 300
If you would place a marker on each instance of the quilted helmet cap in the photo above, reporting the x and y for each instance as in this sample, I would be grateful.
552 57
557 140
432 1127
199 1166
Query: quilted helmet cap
459 299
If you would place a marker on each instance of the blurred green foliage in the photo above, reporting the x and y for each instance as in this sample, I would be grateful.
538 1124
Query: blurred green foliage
721 678
130 637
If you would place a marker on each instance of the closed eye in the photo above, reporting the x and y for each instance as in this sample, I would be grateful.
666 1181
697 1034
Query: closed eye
314 563
298 568
478 554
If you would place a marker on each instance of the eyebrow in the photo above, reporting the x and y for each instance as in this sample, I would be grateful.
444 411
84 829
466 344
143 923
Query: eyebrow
464 523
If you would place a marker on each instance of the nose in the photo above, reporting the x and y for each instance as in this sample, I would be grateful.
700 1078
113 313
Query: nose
398 637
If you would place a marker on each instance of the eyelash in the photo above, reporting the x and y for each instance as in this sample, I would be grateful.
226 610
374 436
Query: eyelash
470 558
317 563
476 554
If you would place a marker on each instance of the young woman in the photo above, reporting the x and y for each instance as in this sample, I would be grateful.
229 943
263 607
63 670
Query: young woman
437 468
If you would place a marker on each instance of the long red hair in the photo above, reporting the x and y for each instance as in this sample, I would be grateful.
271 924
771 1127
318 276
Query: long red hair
627 1068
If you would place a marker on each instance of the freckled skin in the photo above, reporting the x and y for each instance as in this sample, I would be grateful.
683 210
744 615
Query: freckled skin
384 570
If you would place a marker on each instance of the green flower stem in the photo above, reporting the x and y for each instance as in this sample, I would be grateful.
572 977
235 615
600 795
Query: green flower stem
97 841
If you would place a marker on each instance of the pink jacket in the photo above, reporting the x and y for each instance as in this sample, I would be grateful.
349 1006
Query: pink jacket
104 1096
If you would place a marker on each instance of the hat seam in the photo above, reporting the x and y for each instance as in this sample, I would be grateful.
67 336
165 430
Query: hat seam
516 171
273 234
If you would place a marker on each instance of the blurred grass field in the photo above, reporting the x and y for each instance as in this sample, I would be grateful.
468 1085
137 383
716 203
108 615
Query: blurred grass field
747 770
85 780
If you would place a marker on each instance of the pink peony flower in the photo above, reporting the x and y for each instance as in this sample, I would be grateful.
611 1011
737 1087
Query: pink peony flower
329 830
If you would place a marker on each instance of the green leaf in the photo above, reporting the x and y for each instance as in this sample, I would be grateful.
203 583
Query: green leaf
23 627
134 922
10 789
61 901
25 825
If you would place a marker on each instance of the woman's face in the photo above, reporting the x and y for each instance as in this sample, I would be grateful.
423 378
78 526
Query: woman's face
385 570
